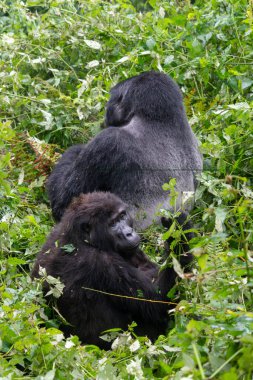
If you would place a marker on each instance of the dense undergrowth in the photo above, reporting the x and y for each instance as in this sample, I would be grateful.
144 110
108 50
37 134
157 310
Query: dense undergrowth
58 60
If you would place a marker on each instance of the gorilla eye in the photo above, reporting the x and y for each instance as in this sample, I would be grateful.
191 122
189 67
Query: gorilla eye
122 215
118 218
113 222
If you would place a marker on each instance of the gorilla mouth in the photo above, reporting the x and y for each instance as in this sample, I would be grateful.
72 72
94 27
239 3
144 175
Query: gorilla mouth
129 247
132 246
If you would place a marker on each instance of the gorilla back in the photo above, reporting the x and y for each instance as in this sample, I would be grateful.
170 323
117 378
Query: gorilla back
147 142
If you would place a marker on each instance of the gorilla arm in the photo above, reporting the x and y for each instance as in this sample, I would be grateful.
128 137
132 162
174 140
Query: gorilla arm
56 183
117 276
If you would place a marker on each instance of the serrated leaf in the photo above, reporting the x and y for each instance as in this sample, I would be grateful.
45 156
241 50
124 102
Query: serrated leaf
123 59
239 106
151 43
220 214
69 248
93 44
169 59
15 261
91 64
82 88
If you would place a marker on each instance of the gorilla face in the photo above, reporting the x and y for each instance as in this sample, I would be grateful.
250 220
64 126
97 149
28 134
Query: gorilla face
123 235
113 232
108 226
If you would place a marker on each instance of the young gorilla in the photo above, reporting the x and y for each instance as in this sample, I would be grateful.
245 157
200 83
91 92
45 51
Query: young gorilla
107 258
148 141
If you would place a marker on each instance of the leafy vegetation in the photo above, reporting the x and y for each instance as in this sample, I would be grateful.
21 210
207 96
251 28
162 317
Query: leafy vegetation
58 61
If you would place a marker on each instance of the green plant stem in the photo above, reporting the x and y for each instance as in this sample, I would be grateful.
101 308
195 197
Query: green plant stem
196 352
224 364
245 250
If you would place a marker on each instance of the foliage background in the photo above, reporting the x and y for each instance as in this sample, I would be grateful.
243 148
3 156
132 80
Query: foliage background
58 60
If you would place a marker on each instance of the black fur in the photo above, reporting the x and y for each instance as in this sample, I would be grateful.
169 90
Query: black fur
125 273
148 141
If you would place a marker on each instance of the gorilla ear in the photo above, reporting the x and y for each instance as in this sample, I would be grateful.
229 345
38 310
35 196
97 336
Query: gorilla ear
118 113
76 224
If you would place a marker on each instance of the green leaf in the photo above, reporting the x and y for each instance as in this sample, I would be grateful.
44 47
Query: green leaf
93 44
14 261
202 261
69 248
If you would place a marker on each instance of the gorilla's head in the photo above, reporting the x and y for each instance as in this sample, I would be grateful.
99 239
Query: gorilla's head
152 96
101 219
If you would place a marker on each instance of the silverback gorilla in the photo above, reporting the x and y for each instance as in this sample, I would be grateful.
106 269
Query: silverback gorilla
106 257
148 141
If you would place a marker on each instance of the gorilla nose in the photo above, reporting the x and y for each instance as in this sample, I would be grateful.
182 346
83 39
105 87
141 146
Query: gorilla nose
129 233
134 238
131 236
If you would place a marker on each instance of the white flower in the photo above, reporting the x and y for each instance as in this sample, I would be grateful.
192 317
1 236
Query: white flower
102 361
7 39
134 368
57 338
135 346
69 344
115 344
